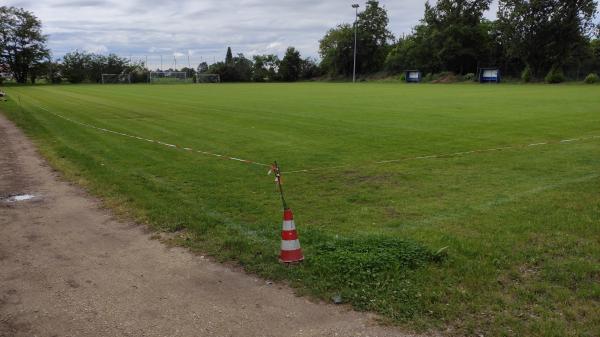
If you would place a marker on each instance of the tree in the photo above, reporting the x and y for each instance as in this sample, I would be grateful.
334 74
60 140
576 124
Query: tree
229 56
373 38
74 66
51 71
96 65
545 34
336 49
402 56
309 69
265 68
82 66
202 68
22 44
189 72
337 46
457 34
290 66
238 69
242 69
113 64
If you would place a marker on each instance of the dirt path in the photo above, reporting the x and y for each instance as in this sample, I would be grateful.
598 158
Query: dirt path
68 269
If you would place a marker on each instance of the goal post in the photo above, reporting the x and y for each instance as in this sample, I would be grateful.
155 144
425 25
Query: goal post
116 78
169 77
208 78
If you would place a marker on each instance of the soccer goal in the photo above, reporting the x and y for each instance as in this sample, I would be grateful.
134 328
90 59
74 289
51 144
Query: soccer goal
116 78
169 77
208 78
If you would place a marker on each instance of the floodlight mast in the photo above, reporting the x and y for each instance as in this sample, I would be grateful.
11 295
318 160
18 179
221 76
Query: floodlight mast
355 6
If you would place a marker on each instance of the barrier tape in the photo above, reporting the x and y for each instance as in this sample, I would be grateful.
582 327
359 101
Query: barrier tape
447 155
308 170
207 153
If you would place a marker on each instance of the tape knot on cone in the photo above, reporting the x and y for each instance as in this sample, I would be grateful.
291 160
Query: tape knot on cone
290 245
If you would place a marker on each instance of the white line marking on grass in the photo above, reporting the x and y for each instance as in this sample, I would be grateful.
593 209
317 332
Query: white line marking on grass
154 141
436 156
448 155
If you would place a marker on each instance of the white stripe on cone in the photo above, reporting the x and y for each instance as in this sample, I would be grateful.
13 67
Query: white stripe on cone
290 245
288 225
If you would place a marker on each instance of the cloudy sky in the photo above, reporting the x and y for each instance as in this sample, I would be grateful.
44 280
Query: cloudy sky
200 29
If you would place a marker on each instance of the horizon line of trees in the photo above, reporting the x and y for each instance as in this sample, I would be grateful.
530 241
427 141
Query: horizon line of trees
87 67
531 39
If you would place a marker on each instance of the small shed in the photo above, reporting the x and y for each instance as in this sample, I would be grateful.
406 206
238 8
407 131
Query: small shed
412 76
489 75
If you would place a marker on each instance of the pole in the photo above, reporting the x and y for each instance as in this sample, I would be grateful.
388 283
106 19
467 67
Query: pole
161 63
277 172
355 6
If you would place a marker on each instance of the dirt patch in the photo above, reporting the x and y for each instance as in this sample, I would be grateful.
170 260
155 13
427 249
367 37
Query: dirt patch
446 78
69 269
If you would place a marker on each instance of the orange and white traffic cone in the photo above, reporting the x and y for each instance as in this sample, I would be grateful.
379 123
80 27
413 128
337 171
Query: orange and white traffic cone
290 245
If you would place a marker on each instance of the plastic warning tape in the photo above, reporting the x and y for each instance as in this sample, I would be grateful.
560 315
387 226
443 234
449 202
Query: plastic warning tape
446 155
207 153
307 170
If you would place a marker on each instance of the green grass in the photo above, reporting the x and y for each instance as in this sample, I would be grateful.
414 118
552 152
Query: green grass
522 226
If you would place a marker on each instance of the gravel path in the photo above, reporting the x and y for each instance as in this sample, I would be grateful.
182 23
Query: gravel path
67 268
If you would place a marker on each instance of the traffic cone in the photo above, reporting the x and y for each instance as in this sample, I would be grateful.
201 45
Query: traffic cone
290 245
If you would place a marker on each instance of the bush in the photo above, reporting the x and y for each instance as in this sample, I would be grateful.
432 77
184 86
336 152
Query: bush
526 75
555 76
591 78
403 77
1 80
469 77
428 77
445 77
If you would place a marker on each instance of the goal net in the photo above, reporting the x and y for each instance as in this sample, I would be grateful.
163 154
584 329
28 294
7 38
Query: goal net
208 78
116 78
169 77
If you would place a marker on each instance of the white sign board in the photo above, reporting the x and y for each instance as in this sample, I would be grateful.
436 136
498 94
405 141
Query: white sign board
490 73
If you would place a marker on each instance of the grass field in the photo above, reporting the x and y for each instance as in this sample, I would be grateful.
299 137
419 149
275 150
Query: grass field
521 225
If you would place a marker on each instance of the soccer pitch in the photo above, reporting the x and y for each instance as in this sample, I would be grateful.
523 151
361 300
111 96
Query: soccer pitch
380 178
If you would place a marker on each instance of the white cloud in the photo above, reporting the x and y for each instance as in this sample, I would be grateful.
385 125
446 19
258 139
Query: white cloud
98 49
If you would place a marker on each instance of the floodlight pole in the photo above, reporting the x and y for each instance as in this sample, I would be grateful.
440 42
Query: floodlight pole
355 6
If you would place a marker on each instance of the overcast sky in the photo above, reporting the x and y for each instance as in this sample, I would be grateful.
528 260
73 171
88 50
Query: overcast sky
201 29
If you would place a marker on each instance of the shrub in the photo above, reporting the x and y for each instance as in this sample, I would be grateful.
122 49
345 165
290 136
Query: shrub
469 77
591 78
1 80
445 77
555 75
403 77
428 77
526 75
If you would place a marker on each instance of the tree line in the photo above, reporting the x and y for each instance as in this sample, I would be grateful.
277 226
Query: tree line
263 68
530 39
